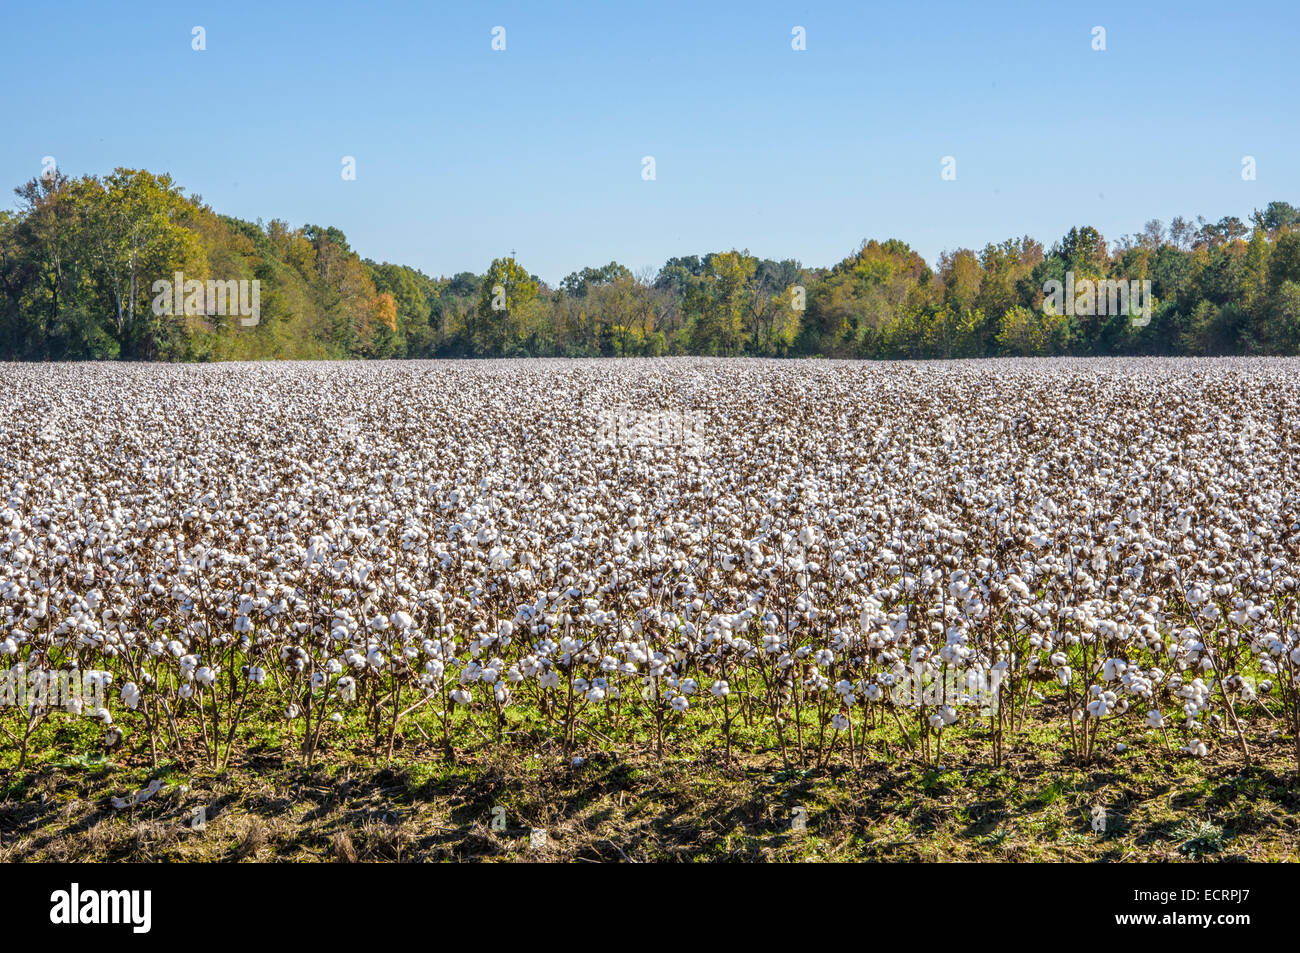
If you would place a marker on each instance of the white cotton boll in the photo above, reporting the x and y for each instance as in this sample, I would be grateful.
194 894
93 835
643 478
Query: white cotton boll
839 722
1102 704
1113 669
461 697
720 688
1155 719
131 695
402 620
680 703
206 675
347 688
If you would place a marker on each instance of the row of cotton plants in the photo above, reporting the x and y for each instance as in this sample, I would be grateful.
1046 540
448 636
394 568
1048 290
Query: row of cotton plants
829 560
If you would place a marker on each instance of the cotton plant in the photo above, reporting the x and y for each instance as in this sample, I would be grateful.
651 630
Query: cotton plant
821 536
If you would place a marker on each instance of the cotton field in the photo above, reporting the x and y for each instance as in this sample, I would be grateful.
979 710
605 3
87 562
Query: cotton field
638 554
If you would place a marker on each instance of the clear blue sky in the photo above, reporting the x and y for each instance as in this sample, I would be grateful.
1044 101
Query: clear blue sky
464 153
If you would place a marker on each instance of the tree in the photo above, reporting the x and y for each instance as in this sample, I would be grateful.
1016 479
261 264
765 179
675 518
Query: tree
1278 215
506 289
1181 233
135 233
1023 331
961 276
579 282
717 301
1083 251
1153 234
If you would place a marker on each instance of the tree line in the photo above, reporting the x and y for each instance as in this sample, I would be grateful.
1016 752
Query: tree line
79 259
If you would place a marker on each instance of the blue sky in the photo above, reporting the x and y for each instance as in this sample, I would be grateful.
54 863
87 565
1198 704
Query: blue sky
464 153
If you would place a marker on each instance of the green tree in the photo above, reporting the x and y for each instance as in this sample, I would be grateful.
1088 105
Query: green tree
134 229
507 288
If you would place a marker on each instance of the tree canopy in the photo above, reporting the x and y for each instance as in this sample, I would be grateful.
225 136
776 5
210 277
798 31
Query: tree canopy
78 258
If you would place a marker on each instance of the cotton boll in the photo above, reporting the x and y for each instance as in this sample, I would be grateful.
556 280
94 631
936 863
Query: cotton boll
130 695
347 689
